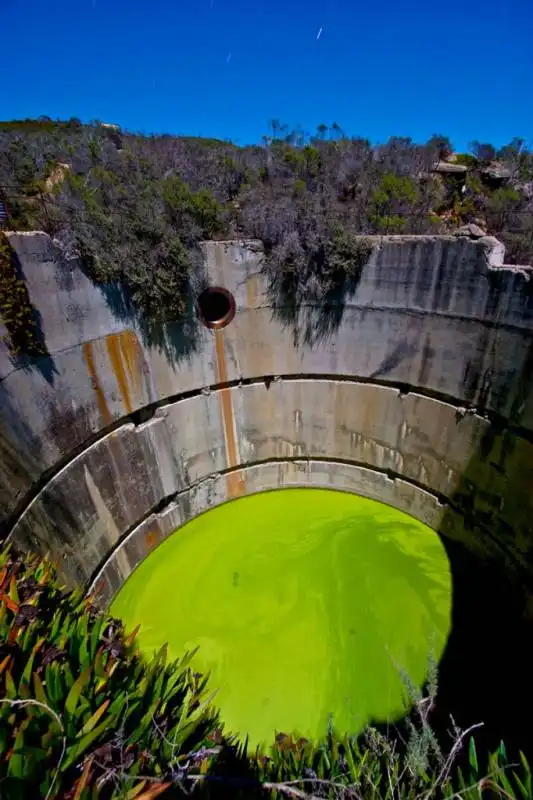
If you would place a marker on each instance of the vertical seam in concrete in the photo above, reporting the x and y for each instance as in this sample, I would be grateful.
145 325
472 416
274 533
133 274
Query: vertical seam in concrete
106 517
100 396
234 480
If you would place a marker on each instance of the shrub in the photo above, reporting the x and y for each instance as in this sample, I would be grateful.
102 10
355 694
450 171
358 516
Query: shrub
16 310
389 224
346 254
440 145
394 189
187 208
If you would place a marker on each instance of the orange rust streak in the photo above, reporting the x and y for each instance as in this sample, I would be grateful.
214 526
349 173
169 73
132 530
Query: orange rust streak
235 482
151 538
132 355
115 356
100 396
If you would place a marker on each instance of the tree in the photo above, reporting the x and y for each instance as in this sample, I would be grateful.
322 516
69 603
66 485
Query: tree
336 131
441 146
483 151
392 202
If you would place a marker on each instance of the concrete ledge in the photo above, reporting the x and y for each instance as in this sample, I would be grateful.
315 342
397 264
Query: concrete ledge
118 482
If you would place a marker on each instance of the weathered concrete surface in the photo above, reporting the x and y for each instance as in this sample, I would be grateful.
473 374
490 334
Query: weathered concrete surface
403 376
87 507
259 477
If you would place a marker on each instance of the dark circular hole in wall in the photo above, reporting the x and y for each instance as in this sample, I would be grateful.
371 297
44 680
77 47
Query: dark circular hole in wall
216 307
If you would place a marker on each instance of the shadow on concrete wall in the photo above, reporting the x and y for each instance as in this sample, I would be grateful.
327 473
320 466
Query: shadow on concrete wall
485 673
29 342
310 301
20 474
310 319
20 458
176 340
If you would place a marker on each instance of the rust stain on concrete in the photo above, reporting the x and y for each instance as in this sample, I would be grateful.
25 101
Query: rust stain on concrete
100 395
133 358
113 343
252 291
235 482
151 539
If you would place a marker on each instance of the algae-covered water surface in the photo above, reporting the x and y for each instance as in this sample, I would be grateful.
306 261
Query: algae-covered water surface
308 606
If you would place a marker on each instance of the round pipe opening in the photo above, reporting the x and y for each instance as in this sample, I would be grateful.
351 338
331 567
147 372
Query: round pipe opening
216 307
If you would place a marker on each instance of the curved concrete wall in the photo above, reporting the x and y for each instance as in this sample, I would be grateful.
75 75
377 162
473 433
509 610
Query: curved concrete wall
415 389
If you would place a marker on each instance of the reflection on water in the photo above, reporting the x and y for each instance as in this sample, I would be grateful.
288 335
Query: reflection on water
307 604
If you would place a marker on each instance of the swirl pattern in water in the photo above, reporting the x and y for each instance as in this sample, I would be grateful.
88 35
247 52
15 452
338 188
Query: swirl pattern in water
308 606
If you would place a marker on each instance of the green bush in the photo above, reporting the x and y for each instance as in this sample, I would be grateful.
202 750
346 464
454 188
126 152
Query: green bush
389 224
197 208
346 255
394 189
16 310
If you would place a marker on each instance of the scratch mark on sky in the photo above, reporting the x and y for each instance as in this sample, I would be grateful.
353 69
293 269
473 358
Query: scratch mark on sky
228 59
319 34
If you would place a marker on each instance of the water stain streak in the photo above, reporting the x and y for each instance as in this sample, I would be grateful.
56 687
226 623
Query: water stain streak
113 344
100 395
235 482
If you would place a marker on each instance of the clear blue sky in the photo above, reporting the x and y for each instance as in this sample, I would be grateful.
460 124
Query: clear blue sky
225 68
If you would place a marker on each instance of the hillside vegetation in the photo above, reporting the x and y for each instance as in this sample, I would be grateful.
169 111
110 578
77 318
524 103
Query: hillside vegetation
135 207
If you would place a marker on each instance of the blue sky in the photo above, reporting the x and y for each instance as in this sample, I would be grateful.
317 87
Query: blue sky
225 68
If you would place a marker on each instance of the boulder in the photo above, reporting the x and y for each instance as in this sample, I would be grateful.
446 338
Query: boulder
450 169
496 171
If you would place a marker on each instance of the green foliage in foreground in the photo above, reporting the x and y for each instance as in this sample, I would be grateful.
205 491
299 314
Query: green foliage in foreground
77 700
82 715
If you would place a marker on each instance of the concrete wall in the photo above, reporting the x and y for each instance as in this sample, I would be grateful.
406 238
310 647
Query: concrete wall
414 389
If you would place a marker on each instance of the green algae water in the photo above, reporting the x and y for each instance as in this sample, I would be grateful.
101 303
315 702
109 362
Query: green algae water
309 607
